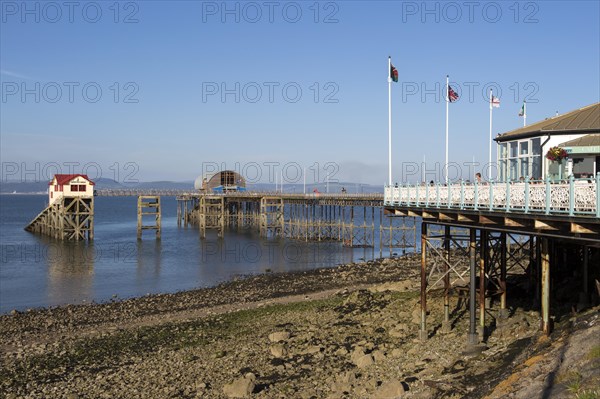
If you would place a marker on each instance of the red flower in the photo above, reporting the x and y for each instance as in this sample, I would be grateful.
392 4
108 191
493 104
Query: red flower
556 154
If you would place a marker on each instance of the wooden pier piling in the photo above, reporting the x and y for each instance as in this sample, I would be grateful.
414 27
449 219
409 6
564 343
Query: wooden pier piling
211 215
67 218
300 217
69 214
148 206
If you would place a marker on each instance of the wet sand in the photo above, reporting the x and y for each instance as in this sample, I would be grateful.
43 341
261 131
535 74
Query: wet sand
345 332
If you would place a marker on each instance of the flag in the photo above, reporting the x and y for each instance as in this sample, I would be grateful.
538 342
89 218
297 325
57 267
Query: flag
452 96
495 102
393 73
522 111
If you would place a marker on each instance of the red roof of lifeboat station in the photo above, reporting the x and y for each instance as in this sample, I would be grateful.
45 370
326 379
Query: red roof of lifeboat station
65 179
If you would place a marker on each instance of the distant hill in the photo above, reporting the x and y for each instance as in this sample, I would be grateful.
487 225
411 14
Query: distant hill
109 184
26 187
101 184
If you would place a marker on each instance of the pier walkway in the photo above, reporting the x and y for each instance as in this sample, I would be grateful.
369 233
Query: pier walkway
574 197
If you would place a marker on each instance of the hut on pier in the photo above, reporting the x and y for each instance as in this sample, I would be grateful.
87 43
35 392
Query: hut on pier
70 211
69 186
221 182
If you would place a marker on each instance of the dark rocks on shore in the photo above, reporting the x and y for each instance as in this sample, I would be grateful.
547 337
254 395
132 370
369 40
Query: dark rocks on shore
215 343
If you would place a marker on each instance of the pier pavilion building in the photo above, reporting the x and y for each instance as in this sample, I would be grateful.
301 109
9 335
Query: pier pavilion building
522 152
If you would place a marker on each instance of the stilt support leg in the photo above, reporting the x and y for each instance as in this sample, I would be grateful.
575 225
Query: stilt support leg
446 325
503 312
482 267
472 338
423 330
546 323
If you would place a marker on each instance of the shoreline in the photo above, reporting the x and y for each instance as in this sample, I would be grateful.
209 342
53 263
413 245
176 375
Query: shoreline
33 193
344 332
248 288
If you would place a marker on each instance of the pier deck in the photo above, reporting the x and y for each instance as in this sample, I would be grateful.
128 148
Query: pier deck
558 224
349 218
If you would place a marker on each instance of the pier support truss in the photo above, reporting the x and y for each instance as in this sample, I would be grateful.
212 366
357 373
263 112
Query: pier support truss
470 262
271 217
68 218
479 263
185 210
211 215
396 233
148 211
352 221
243 215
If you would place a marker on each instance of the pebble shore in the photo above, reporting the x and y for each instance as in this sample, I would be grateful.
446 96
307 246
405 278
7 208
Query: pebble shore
344 332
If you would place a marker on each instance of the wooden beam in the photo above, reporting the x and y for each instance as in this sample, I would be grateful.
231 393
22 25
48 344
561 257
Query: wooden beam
489 220
541 225
585 228
468 218
444 216
515 222
388 211
400 212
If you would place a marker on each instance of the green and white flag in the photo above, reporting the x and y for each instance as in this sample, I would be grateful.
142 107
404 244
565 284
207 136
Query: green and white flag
522 112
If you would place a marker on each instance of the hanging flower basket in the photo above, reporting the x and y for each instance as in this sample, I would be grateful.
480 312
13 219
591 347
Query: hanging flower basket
556 154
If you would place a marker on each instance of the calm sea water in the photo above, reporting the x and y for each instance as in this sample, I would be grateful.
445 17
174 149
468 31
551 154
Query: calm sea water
37 271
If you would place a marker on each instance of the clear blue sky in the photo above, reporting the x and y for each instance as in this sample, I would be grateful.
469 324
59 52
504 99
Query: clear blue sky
171 60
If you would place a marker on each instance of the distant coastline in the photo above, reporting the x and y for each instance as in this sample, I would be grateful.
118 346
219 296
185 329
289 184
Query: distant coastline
40 188
24 193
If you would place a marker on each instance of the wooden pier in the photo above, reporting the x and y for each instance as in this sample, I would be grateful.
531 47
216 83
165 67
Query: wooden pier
69 214
148 208
352 219
475 236
67 218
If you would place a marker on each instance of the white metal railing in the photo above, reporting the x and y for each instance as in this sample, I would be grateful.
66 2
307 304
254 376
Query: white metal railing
569 197
258 194
132 192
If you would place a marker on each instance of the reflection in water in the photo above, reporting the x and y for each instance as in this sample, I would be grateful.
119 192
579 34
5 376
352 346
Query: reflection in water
70 271
149 258
239 254
39 271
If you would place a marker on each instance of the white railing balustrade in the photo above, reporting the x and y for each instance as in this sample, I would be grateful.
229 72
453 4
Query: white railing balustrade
568 197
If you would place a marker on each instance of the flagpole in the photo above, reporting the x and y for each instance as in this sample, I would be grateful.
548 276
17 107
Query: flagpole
447 101
490 149
389 121
304 180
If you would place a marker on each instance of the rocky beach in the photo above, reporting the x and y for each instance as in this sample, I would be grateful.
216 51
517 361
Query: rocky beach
344 332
